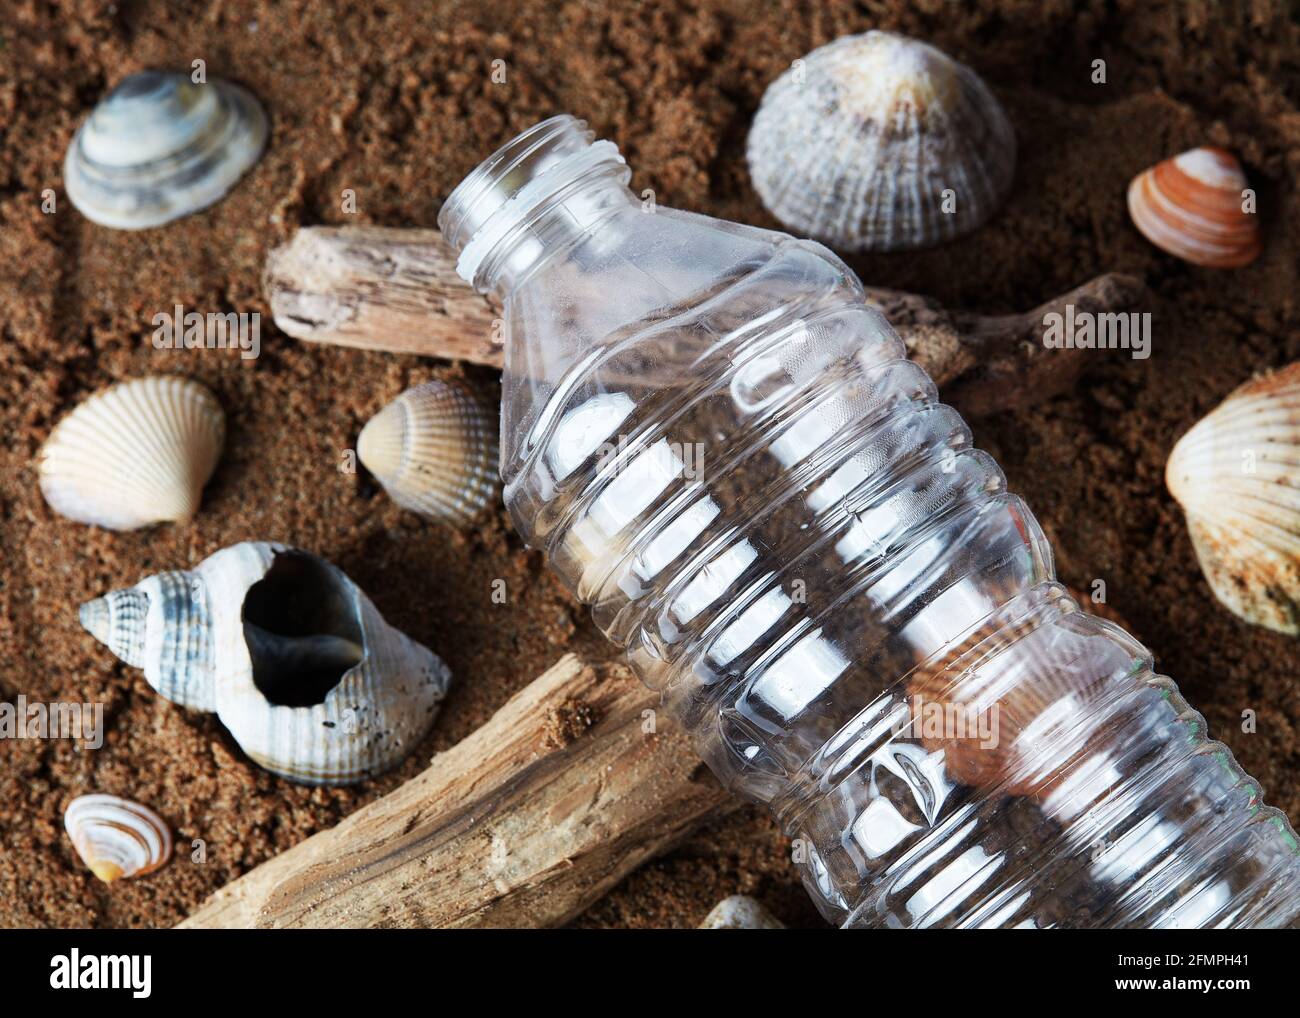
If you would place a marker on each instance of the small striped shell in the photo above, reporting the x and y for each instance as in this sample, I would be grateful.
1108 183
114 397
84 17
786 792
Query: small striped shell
134 454
1236 474
117 838
1192 206
288 652
878 142
161 146
434 451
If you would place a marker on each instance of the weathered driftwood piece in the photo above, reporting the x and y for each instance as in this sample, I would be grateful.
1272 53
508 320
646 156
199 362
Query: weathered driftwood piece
524 823
397 290
380 289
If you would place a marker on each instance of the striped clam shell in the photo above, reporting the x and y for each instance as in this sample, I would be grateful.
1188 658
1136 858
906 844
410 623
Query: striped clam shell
1192 206
1019 676
1236 474
857 143
117 838
288 652
434 451
134 454
160 147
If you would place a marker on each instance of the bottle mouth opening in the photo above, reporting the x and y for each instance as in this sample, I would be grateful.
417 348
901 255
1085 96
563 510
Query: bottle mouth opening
515 179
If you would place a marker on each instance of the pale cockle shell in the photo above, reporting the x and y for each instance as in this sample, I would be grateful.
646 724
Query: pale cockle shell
857 143
1236 474
740 912
288 652
161 146
136 453
1193 206
434 451
117 838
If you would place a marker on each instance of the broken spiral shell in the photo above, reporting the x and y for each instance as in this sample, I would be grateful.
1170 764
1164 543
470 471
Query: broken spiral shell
287 651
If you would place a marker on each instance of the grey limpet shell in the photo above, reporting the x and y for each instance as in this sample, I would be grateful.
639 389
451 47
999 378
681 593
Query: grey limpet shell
160 147
878 142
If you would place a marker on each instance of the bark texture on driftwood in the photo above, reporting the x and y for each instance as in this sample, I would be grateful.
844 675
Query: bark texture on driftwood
397 290
524 823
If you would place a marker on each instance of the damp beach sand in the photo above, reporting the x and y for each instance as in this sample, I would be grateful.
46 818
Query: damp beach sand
396 101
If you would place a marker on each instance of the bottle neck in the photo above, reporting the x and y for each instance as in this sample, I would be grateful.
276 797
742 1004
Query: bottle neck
534 196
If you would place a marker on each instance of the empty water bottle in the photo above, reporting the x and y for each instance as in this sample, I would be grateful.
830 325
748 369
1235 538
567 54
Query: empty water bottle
725 453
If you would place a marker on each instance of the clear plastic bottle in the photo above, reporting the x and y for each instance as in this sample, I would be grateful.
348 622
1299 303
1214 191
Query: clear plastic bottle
724 452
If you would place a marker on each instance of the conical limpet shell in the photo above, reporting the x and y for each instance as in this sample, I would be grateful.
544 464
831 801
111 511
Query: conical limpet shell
294 659
136 453
1192 206
117 838
1236 474
879 142
159 147
434 451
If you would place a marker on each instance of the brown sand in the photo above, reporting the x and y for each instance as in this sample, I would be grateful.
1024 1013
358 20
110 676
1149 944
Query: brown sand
395 101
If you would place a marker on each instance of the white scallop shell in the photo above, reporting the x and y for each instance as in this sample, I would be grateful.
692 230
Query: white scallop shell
1236 474
878 142
293 658
434 451
159 147
117 838
740 912
136 453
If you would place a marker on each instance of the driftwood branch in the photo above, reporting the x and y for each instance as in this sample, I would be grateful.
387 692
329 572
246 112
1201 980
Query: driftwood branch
397 290
524 823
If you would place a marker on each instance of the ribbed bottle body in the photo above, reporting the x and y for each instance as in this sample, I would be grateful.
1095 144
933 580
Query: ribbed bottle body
725 453
766 504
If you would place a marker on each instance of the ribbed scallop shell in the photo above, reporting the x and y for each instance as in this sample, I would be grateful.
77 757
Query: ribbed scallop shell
159 147
1191 207
137 453
294 659
856 144
1236 474
434 451
117 838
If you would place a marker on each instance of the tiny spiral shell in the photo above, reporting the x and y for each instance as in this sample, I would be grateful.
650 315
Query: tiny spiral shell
878 142
1236 474
117 838
434 450
134 454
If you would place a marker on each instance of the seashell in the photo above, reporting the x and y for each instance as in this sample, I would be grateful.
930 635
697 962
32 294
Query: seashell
434 451
117 838
1191 207
857 143
159 147
136 453
1012 674
740 912
1236 474
288 652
